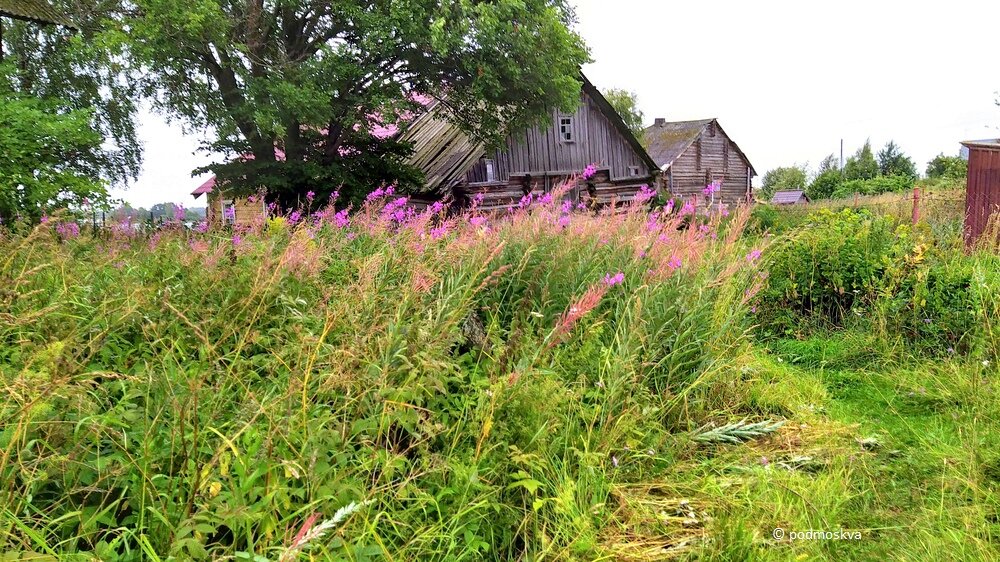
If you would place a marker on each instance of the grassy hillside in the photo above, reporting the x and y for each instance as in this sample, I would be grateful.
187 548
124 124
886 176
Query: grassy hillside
551 384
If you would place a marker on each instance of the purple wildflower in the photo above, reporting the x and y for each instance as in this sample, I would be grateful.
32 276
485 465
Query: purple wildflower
340 219
674 263
295 217
201 227
590 171
753 256
617 279
477 221
644 194
310 195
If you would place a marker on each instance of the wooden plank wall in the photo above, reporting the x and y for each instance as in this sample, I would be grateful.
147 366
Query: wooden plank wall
982 197
502 195
541 152
719 160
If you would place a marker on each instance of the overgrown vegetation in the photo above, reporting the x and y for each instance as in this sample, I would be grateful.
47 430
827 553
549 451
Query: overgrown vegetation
551 384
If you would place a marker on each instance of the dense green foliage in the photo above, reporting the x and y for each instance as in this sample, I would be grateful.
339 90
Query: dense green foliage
861 166
318 78
76 71
553 385
489 386
892 162
626 103
844 265
50 158
954 167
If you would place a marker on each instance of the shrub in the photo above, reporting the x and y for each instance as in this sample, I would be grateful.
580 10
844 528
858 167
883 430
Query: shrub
831 265
873 186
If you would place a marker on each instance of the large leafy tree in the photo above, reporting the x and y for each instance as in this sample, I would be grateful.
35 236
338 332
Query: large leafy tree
952 167
861 166
49 158
626 103
75 72
892 162
315 77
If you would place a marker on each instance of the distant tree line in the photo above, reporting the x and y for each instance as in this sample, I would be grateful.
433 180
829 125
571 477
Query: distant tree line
865 173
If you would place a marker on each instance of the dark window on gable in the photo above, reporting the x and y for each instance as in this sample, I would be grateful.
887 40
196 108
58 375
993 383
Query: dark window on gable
711 129
566 128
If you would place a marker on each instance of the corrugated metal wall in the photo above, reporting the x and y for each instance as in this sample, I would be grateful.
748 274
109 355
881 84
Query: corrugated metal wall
982 196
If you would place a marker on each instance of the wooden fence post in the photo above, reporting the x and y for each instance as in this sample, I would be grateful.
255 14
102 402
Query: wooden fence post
916 205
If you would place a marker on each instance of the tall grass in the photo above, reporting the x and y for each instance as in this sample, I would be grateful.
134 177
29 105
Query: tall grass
378 384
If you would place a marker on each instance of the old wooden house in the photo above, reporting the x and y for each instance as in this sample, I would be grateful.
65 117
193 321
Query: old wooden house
537 160
694 154
224 209
458 168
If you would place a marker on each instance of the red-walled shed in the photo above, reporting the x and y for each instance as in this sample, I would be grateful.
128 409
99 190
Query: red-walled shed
982 196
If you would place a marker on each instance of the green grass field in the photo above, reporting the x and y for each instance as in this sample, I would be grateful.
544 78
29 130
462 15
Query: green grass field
551 385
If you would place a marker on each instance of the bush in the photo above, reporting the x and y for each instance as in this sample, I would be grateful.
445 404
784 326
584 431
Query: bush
873 186
831 265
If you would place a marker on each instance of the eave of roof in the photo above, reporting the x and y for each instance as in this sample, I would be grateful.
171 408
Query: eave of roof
38 11
616 120
991 144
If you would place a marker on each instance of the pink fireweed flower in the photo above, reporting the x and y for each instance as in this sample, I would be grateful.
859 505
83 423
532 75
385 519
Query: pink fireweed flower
545 199
437 207
687 209
295 217
310 195
616 279
67 230
44 219
674 263
237 239
577 310
711 188
563 221
644 194
526 201
477 221
753 256
439 232
179 213
201 227
340 219
567 206
590 171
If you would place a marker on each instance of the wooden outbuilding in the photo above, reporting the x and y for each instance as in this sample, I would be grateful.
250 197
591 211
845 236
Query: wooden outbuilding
537 160
982 195
790 197
693 154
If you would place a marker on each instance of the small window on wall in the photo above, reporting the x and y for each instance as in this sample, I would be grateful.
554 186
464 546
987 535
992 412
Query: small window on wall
633 171
228 211
491 172
566 128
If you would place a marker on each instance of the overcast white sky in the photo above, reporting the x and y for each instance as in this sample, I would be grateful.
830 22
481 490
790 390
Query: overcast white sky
787 79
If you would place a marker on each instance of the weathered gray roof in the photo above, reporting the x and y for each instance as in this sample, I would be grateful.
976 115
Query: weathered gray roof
39 11
665 142
787 197
442 150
